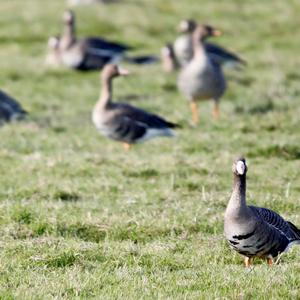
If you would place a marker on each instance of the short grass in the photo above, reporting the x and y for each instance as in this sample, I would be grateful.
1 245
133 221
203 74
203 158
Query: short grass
81 218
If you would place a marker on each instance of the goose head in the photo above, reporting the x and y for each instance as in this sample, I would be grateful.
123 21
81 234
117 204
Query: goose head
187 26
69 17
111 71
53 42
203 32
239 167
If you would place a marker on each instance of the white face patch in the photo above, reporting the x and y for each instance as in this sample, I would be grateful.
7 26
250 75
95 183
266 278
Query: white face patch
184 25
240 167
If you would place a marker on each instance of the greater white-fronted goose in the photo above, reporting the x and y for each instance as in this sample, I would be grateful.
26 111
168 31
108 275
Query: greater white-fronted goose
183 47
53 57
87 53
202 78
168 58
10 109
123 122
255 231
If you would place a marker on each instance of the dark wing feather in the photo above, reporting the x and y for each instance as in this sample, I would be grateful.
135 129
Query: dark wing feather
276 221
221 55
10 108
138 115
100 43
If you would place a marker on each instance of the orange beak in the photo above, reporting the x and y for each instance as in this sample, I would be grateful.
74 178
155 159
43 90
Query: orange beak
217 32
123 72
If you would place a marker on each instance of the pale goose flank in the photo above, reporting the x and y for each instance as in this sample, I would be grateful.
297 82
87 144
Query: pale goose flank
255 231
183 48
123 122
53 57
10 109
202 78
168 58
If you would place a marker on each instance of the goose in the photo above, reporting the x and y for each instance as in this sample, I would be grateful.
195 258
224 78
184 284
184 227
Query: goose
168 58
183 47
123 122
87 53
255 231
10 109
53 58
202 78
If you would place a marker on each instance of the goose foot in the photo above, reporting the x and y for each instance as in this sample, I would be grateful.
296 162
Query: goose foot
248 262
216 111
126 146
195 114
270 261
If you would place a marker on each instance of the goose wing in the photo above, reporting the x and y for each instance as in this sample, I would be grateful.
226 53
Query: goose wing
103 44
289 230
221 55
142 117
10 108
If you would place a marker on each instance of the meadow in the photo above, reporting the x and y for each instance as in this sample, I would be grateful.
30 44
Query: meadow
81 218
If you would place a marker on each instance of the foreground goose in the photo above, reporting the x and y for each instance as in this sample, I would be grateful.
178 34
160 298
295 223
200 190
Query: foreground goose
86 53
123 122
10 109
255 231
202 78
183 47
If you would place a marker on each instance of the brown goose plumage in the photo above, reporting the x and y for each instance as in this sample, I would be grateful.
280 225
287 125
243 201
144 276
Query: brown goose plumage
123 122
183 48
88 53
202 78
255 231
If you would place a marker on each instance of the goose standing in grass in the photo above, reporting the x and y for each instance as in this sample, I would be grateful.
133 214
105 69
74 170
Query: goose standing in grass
123 122
10 109
183 47
202 78
255 231
87 53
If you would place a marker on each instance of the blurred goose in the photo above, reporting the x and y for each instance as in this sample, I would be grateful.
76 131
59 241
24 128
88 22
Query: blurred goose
53 58
86 2
255 231
86 53
123 122
168 58
202 78
10 109
183 47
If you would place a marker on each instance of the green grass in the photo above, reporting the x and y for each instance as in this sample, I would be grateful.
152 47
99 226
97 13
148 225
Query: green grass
81 218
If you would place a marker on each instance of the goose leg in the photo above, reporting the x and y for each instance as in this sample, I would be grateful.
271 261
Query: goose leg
194 109
248 262
216 110
270 261
126 146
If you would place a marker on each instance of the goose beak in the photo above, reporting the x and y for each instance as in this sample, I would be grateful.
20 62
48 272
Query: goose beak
123 72
217 32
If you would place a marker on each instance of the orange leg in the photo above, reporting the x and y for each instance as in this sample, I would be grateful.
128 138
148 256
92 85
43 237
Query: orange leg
216 111
248 262
195 114
126 146
270 261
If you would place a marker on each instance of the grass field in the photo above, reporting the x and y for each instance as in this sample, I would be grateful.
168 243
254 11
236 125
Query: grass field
81 218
